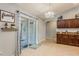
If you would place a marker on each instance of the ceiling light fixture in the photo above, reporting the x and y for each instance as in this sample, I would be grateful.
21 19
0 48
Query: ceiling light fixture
49 14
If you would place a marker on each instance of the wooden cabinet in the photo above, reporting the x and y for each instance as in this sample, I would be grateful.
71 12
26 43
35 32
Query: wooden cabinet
72 23
59 38
68 39
77 40
77 23
60 24
64 39
71 40
68 23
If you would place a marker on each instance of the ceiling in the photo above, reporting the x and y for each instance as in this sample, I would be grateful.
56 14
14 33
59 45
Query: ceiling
39 9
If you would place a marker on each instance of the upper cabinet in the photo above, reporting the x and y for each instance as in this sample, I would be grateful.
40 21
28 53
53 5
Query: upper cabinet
68 23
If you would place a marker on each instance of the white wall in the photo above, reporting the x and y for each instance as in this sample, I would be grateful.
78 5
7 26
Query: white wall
51 30
7 43
7 39
41 30
69 14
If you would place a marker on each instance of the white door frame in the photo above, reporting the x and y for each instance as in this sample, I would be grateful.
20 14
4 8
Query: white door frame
19 15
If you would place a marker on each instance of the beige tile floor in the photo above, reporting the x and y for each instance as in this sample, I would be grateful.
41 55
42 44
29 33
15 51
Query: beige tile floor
48 48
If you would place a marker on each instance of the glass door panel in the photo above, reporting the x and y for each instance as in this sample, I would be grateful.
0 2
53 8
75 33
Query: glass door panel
24 34
32 28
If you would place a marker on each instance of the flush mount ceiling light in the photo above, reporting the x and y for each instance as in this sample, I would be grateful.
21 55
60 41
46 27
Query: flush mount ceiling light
49 13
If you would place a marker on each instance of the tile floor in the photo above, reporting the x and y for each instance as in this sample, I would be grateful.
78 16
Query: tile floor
48 48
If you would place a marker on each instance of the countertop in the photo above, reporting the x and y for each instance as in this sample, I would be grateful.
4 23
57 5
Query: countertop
68 33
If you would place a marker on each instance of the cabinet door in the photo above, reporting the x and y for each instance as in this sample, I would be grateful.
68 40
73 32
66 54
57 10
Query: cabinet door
64 39
60 24
72 23
69 23
72 39
77 40
66 24
77 44
77 23
59 38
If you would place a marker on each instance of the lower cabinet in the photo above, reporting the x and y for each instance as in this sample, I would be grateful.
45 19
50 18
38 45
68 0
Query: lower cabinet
77 40
68 39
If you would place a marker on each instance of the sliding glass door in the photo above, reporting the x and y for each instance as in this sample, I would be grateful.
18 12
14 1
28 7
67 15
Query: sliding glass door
26 37
32 33
24 33
28 33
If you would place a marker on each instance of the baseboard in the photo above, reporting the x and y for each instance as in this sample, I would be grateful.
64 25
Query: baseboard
53 39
